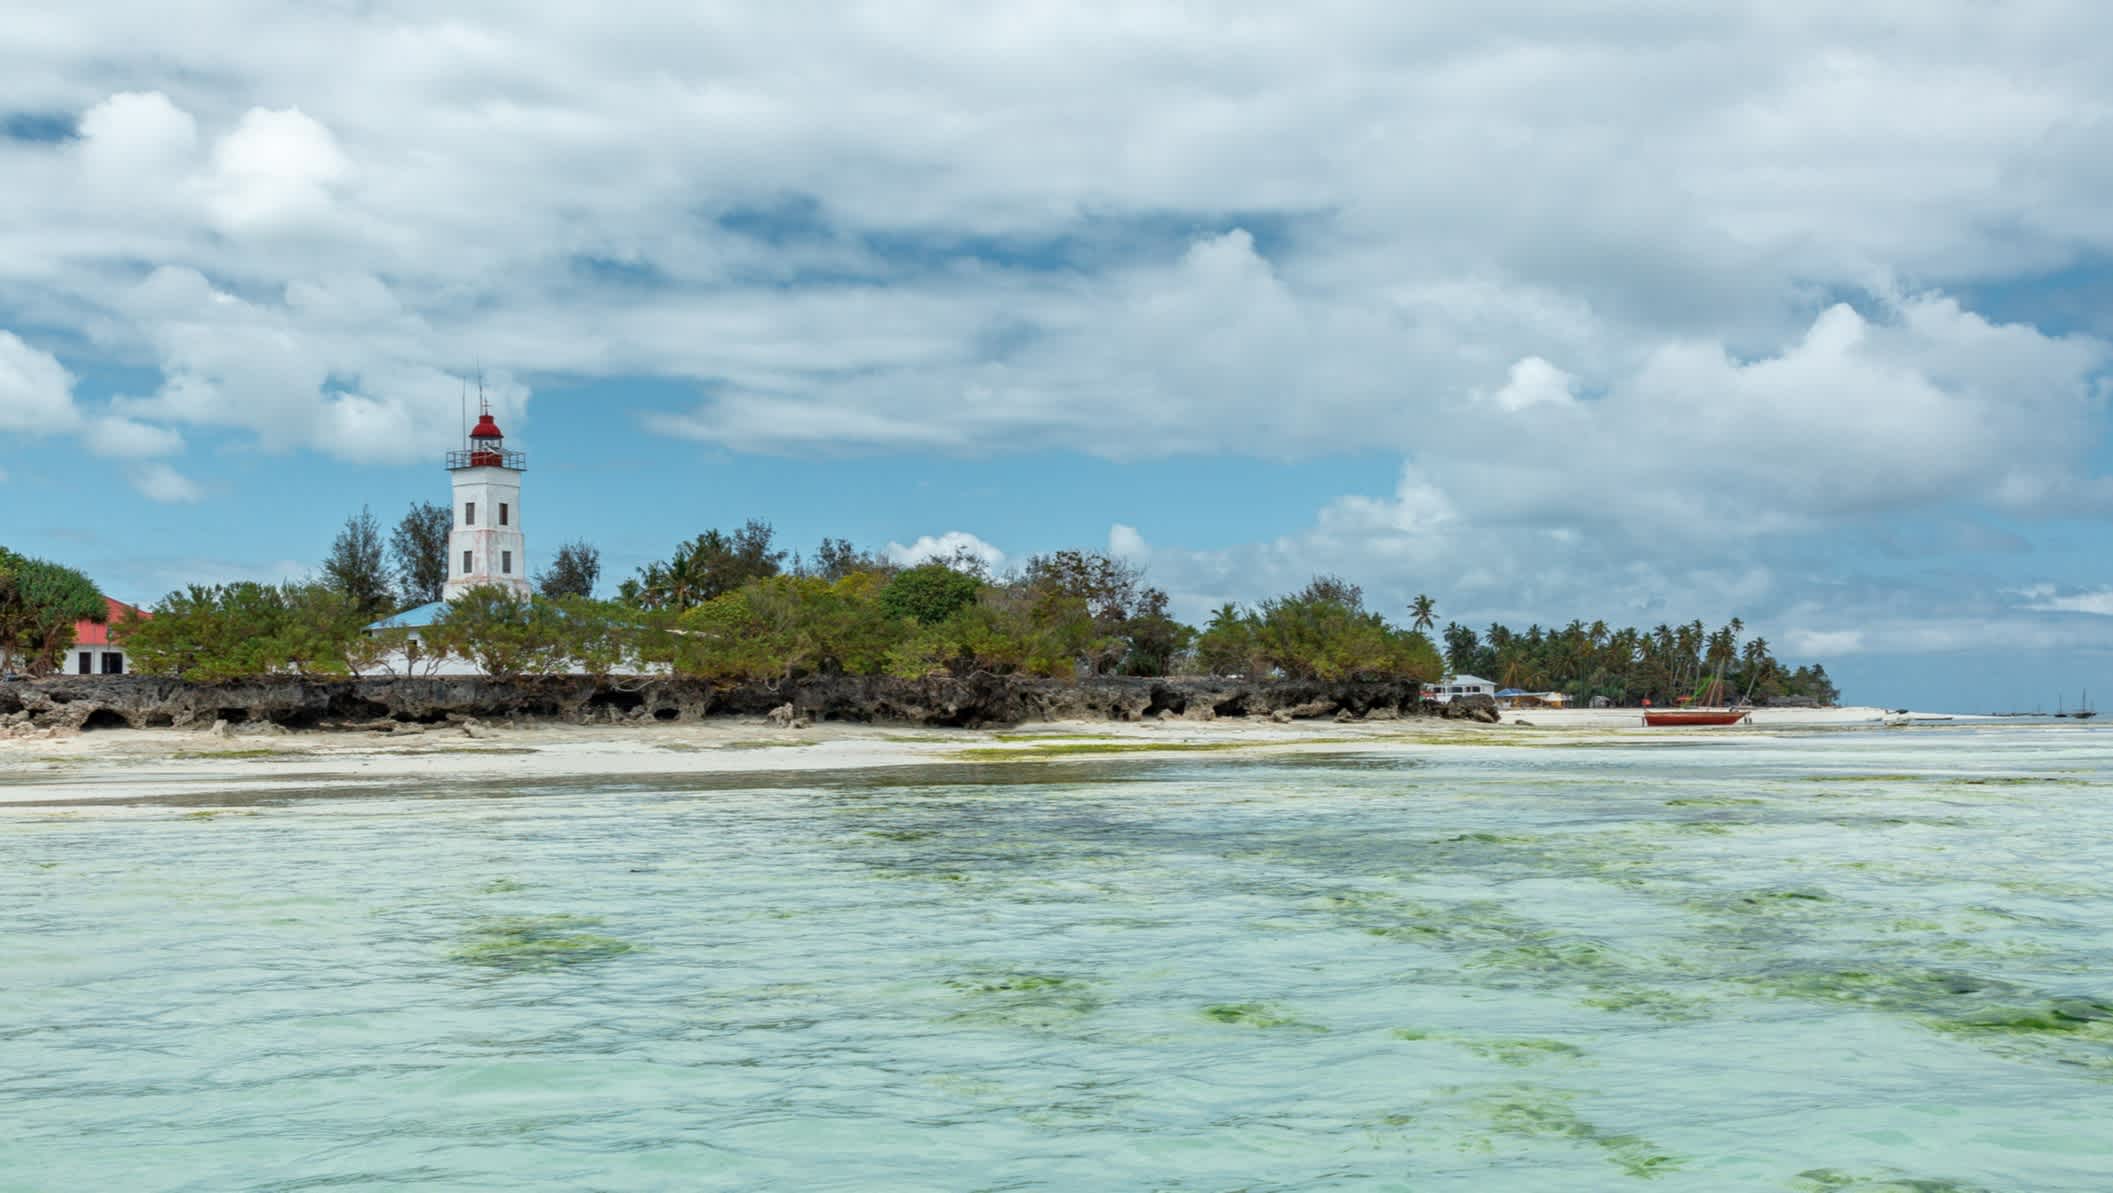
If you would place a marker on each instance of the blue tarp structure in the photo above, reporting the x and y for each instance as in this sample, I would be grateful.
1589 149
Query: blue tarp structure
1514 692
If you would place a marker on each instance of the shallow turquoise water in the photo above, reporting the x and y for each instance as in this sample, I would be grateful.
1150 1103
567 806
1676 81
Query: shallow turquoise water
1822 963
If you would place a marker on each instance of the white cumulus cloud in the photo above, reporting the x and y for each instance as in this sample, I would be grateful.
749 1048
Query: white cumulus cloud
159 482
946 546
36 391
2097 601
115 435
275 167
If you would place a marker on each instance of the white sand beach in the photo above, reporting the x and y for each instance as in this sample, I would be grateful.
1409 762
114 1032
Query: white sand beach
119 766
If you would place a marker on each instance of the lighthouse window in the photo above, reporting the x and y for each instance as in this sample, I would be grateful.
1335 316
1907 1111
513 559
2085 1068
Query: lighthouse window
469 513
465 563
502 513
506 562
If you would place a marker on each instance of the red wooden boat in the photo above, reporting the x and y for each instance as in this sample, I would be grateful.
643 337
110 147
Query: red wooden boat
1665 717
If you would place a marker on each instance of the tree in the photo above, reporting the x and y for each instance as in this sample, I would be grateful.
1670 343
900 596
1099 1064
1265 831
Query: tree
572 572
1463 648
208 633
1131 632
505 634
355 564
598 636
1324 632
710 565
835 559
1227 645
418 551
1333 590
1424 611
929 593
243 630
40 602
322 632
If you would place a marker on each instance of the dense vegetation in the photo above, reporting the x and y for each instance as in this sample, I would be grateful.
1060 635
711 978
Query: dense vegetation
733 606
40 602
1628 666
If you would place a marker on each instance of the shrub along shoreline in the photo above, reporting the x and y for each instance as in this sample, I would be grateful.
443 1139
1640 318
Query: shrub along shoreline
974 701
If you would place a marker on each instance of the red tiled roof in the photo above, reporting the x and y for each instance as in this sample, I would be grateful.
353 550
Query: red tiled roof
97 633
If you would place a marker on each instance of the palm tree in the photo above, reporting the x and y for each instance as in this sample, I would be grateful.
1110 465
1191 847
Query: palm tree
1425 612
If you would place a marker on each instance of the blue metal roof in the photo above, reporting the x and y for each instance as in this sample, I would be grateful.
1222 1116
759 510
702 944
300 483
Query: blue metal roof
416 618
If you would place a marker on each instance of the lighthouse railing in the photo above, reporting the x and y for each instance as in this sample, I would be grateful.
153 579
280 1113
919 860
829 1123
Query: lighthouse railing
480 457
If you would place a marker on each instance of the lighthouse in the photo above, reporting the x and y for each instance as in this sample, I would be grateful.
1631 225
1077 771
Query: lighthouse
485 545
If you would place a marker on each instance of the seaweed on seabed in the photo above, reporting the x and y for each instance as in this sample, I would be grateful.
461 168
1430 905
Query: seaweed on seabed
1533 1112
1020 999
536 942
1833 1180
1255 1014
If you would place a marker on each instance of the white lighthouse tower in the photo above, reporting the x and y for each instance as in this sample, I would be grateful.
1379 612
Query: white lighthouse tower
485 546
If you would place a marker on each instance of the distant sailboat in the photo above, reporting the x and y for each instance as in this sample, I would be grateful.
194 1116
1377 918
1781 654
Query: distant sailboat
2086 712
1700 712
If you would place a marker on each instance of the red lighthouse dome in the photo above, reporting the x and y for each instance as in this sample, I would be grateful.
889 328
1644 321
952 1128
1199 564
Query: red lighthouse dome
486 447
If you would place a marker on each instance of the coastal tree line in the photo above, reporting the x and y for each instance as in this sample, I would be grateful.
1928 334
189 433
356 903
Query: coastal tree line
734 605
1626 666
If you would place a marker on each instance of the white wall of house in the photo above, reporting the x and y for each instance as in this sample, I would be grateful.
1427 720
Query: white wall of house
97 660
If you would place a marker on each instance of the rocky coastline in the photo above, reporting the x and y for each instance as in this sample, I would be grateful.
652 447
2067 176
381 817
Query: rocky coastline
68 704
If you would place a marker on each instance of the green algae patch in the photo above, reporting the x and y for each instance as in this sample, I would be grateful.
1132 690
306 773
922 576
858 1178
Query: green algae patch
1535 1113
1055 737
2069 1016
500 886
1090 749
201 755
1662 1005
2000 1016
1516 1052
536 942
1086 749
1255 1014
900 834
1714 801
1024 999
1519 1053
1833 1180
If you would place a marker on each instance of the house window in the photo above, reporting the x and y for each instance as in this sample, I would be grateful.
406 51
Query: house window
113 663
502 513
85 658
506 561
469 513
465 563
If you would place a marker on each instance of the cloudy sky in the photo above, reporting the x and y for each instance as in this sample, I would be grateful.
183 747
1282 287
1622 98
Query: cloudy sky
1654 312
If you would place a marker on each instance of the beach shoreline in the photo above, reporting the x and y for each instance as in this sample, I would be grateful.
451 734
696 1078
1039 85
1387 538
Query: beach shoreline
192 766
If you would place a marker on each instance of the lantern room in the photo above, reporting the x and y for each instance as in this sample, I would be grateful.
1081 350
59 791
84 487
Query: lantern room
487 448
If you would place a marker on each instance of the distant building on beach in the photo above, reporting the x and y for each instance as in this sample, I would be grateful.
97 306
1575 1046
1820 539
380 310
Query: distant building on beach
93 652
1457 687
